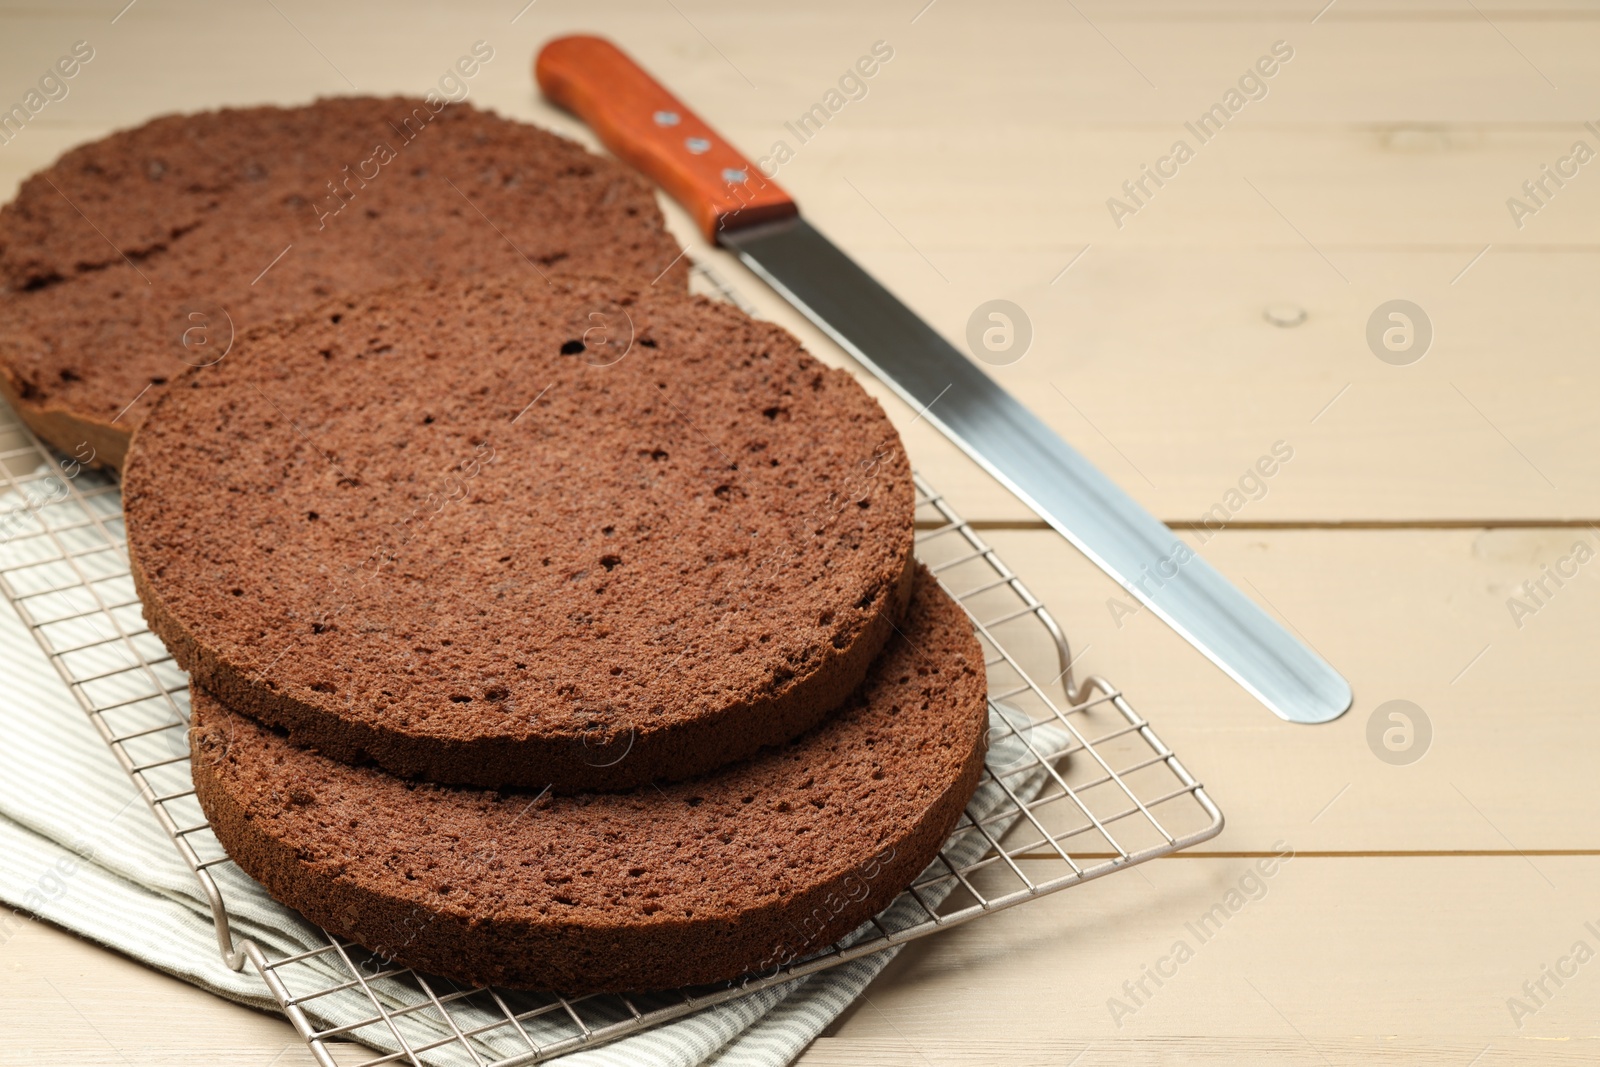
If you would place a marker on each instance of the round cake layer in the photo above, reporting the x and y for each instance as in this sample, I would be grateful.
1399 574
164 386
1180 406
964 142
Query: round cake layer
702 881
447 529
154 248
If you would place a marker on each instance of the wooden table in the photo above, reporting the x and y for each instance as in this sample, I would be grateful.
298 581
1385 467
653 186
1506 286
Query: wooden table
1227 313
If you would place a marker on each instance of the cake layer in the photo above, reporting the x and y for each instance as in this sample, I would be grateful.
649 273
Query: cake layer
517 534
154 248
740 871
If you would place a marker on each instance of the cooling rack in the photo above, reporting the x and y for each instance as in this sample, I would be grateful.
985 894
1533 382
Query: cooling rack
1078 785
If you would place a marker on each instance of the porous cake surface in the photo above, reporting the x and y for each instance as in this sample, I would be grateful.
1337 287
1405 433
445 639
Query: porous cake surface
153 248
447 529
743 870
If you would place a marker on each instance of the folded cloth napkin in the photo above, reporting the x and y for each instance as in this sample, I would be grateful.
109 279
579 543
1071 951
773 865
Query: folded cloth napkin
81 850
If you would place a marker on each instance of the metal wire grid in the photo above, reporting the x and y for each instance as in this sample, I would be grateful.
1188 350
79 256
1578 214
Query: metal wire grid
1079 788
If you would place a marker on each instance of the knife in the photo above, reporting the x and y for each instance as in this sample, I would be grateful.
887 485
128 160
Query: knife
737 206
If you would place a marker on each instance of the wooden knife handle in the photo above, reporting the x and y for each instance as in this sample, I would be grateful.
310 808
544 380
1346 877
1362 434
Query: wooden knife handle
644 124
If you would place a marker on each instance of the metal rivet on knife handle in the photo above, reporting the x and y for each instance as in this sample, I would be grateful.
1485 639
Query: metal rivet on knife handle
641 122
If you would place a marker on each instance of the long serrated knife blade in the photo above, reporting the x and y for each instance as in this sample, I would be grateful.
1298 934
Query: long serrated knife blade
1046 473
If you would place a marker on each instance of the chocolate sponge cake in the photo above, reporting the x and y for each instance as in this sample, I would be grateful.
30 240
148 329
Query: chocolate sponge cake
447 529
154 248
743 870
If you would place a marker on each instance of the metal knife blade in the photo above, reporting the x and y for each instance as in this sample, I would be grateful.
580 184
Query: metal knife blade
1045 472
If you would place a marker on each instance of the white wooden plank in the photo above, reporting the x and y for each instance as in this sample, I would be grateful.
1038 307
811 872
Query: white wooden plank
1416 615
1331 961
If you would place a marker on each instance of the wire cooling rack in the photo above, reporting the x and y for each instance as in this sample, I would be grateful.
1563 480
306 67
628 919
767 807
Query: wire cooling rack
1078 785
